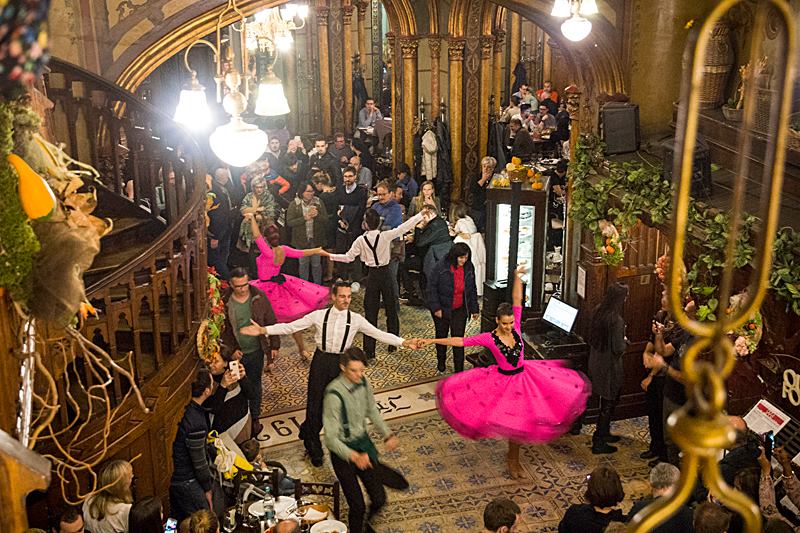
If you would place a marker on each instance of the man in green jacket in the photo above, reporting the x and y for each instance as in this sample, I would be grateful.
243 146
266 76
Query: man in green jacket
348 403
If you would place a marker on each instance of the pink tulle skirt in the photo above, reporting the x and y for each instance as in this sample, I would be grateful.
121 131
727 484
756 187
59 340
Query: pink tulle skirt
294 298
534 406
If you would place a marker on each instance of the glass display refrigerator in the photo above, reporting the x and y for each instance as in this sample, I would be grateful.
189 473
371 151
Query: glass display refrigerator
516 232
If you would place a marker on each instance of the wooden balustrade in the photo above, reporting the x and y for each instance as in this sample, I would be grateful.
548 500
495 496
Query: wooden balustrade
149 306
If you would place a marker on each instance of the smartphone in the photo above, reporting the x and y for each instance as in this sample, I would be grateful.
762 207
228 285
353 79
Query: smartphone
233 366
171 526
769 444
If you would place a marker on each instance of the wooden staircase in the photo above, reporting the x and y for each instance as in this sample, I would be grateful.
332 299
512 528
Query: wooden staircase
148 282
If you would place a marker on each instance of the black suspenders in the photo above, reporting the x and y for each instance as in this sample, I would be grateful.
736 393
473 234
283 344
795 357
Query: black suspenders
374 248
325 331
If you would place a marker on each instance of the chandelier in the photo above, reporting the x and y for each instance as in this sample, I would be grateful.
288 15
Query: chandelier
576 27
239 143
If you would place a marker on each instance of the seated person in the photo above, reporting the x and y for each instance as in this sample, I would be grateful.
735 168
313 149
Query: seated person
543 120
251 449
341 150
511 111
547 96
524 94
604 494
501 515
519 140
406 180
663 480
369 114
711 518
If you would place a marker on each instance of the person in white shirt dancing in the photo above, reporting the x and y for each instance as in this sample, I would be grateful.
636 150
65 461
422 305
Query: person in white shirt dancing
336 328
374 248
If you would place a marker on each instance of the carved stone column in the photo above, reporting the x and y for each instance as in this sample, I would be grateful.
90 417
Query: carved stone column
435 46
290 68
486 90
391 64
515 42
497 90
408 49
324 67
347 33
455 53
362 34
572 233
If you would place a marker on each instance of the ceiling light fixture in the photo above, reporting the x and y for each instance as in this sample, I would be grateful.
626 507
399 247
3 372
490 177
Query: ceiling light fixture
576 27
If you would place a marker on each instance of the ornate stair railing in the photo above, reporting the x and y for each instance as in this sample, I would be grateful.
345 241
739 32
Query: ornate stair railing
149 306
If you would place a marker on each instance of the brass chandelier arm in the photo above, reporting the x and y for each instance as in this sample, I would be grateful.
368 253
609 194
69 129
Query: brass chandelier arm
701 428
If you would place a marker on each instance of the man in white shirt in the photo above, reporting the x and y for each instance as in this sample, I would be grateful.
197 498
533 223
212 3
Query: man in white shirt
375 249
335 330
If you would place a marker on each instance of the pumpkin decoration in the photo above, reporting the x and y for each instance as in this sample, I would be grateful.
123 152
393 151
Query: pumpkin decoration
35 194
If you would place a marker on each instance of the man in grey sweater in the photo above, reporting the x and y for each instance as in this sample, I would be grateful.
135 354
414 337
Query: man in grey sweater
348 403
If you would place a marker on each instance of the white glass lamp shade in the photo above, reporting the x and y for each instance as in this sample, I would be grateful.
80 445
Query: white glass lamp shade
262 16
576 28
561 8
192 110
288 12
238 143
271 101
302 11
283 41
588 7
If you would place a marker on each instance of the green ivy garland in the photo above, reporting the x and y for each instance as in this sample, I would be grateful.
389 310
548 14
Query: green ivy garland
641 189
18 243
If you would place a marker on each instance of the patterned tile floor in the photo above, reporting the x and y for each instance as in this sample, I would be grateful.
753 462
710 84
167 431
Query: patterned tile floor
452 478
285 388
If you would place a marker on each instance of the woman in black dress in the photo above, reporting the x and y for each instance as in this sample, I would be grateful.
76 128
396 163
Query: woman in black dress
607 343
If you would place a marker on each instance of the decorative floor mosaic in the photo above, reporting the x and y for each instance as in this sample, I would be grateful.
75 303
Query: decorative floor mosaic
451 478
285 387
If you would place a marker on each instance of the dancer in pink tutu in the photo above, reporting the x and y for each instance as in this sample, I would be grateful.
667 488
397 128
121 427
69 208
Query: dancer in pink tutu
522 401
291 297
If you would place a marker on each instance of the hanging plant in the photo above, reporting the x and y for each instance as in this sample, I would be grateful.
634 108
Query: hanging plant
18 242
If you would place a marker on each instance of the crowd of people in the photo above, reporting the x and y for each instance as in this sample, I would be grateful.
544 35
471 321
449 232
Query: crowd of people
293 234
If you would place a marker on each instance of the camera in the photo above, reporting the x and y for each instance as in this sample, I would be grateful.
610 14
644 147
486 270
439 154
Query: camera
233 367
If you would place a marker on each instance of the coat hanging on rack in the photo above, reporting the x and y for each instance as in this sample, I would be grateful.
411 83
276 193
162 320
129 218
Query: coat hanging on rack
495 148
444 169
430 149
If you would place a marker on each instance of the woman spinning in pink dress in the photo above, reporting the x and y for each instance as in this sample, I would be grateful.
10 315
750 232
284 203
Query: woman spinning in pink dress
522 401
291 297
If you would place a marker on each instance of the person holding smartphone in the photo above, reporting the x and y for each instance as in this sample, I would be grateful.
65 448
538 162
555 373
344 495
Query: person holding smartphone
228 405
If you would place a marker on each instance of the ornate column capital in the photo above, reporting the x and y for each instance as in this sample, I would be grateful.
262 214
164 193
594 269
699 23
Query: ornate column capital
435 45
347 14
362 9
455 49
500 37
322 15
573 97
408 47
487 44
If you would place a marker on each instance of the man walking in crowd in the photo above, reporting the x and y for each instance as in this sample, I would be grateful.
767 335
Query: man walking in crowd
243 303
323 160
369 114
374 249
501 515
335 330
191 483
349 402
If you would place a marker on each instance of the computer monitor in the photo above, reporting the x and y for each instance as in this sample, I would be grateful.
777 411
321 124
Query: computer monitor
560 314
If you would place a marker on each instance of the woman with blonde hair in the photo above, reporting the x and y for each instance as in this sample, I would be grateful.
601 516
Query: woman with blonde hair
426 196
106 511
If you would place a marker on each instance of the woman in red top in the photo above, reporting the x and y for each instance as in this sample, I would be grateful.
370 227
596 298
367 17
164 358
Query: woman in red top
452 297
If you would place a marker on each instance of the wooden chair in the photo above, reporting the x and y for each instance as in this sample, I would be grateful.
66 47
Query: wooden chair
329 490
261 478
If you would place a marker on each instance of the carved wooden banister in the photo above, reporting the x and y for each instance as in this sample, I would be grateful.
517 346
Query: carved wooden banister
21 471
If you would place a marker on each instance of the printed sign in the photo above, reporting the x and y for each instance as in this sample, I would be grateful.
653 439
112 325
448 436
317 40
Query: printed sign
765 417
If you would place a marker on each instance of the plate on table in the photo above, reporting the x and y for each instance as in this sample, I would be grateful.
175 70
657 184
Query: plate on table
282 504
548 161
329 526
